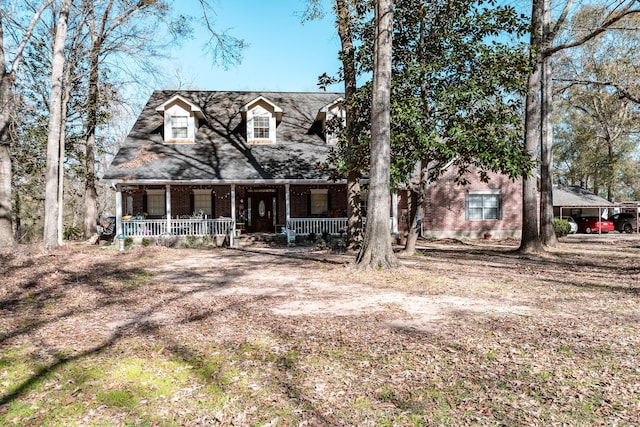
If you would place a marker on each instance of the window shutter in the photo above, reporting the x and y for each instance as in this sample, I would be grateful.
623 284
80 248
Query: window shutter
144 203
192 203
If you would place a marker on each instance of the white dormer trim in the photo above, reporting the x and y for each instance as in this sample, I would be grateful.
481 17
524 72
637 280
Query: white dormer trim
327 113
181 120
261 116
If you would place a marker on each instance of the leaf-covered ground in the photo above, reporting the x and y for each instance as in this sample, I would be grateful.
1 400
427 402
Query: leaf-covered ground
466 333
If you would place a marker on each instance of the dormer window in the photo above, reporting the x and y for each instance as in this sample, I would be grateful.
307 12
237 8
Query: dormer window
261 127
179 127
262 117
181 120
333 119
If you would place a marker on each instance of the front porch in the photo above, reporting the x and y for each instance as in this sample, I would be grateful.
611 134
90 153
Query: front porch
200 227
214 210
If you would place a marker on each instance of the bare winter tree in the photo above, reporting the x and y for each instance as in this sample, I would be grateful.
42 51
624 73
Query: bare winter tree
539 107
8 109
51 202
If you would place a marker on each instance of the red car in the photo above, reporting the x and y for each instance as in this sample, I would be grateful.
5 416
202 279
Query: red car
593 224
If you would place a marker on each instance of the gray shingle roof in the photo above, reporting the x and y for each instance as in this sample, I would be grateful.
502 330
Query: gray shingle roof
578 197
220 152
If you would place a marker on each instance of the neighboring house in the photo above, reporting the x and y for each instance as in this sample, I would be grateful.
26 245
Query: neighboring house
472 210
205 162
215 162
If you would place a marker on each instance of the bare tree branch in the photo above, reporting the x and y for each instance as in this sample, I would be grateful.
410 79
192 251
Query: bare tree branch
613 18
25 39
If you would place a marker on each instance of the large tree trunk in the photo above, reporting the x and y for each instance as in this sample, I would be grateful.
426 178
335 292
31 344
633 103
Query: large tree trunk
376 251
51 205
530 241
354 214
547 231
354 211
7 237
90 193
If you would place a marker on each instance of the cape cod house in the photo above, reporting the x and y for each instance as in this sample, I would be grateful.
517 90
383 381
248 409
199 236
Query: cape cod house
212 162
219 163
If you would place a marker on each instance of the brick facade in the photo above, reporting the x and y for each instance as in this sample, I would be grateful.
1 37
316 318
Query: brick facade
446 208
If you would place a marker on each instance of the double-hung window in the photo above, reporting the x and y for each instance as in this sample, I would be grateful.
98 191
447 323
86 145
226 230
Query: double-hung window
202 202
179 127
156 203
483 204
319 201
261 127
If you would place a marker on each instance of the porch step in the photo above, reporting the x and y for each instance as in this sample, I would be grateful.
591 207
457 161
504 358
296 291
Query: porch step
259 240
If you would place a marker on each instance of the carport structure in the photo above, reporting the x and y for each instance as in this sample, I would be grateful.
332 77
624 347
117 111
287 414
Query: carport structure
576 202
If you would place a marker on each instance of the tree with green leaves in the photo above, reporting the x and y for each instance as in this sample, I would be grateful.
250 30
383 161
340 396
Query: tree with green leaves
347 160
456 97
457 91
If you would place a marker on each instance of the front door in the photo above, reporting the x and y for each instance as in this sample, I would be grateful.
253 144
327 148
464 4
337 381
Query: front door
262 211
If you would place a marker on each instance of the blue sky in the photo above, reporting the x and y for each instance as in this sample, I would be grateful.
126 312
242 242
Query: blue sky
283 54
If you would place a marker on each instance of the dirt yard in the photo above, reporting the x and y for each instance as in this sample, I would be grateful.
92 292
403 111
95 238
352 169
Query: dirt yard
465 333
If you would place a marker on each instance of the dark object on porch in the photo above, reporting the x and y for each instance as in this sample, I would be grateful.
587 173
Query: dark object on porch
106 229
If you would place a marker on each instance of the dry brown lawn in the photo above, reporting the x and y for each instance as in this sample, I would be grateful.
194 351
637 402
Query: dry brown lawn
465 333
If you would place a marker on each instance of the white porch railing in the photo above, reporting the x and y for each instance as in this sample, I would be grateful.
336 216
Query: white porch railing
318 226
179 227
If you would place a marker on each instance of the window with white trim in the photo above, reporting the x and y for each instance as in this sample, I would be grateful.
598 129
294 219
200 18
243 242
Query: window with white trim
180 120
261 120
319 201
179 127
483 204
156 203
261 125
202 201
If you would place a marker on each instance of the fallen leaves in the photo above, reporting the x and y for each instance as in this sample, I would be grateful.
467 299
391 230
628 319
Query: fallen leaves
464 335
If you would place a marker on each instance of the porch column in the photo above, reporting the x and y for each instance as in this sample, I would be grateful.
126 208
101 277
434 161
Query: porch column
233 214
233 202
118 211
394 211
287 206
167 202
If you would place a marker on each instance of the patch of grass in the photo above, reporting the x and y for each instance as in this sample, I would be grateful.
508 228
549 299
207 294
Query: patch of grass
136 281
125 399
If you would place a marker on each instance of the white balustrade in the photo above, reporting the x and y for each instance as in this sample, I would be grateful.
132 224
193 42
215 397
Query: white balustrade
179 227
304 226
